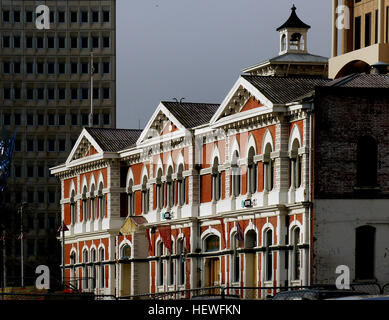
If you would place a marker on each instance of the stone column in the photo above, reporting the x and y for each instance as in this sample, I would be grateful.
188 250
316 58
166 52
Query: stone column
114 195
334 29
112 267
381 21
281 272
305 253
140 277
282 161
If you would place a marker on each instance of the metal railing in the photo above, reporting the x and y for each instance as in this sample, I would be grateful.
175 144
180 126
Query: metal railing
251 293
177 294
220 292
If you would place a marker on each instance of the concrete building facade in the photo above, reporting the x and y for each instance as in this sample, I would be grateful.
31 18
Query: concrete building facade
45 94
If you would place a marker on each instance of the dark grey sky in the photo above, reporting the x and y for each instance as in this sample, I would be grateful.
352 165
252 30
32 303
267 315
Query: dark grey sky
197 48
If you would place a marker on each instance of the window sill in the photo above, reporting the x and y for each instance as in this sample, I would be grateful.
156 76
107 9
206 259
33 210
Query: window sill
268 283
295 283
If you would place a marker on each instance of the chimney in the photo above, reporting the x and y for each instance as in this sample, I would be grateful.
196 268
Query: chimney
380 68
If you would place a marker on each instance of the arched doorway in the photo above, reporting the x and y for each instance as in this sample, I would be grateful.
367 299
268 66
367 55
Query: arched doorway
212 264
125 271
251 266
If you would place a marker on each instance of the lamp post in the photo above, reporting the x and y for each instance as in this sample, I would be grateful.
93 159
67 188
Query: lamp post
4 282
63 229
21 238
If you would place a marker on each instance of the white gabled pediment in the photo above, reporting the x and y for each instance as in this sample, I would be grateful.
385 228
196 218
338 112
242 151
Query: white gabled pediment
84 147
237 98
162 122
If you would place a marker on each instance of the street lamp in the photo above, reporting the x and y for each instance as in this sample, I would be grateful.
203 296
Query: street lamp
63 228
4 282
21 238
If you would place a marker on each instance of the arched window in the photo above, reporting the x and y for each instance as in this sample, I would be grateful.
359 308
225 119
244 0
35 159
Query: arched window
212 243
131 199
126 252
85 208
302 43
252 172
181 186
73 274
160 190
296 259
73 258
250 239
102 267
86 273
235 175
367 162
295 41
365 253
93 203
283 42
216 181
181 261
268 167
170 187
73 210
160 264
235 260
101 205
93 276
145 196
295 166
171 269
269 255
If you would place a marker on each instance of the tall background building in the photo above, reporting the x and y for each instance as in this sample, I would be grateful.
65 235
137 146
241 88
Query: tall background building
45 96
364 40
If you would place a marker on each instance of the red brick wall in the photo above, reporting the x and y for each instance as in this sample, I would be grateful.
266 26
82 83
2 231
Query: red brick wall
206 188
252 104
342 117
67 217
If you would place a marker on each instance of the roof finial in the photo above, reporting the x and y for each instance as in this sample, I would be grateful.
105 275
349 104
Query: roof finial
294 8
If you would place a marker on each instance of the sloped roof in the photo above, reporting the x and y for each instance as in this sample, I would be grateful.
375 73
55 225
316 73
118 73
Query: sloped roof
294 58
294 22
361 80
114 140
299 57
191 115
282 90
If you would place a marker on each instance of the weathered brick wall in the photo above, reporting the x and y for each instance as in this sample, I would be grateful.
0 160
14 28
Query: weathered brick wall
342 116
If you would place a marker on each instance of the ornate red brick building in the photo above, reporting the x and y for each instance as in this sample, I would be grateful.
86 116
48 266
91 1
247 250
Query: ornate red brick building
247 193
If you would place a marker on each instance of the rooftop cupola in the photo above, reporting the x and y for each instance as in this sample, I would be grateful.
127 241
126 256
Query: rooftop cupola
293 35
